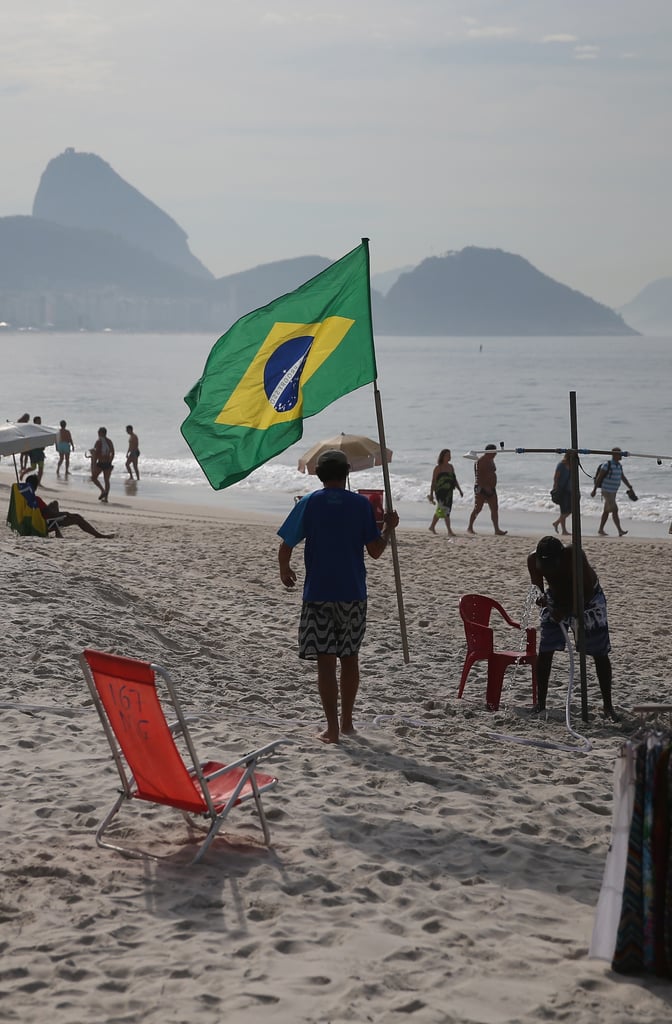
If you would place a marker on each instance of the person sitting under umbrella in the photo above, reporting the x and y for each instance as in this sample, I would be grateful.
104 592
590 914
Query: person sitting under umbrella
53 516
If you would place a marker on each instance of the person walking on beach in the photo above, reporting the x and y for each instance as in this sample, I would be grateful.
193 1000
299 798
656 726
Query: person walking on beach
102 457
53 516
35 458
485 489
561 493
608 480
337 525
64 445
133 453
443 483
552 562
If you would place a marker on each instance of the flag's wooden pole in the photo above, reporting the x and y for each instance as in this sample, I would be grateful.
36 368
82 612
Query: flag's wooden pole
386 478
388 508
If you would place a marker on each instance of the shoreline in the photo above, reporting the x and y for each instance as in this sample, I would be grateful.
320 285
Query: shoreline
253 507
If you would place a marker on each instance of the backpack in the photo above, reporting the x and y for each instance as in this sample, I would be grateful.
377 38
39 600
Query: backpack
598 470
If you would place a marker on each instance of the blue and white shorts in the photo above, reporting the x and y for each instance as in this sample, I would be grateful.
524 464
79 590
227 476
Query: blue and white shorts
595 625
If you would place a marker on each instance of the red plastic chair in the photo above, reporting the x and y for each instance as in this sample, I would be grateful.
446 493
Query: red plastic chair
475 611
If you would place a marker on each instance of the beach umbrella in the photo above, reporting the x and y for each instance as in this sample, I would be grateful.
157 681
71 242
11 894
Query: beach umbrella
361 452
24 437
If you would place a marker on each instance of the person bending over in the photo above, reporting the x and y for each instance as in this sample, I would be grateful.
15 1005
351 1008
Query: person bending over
337 525
552 563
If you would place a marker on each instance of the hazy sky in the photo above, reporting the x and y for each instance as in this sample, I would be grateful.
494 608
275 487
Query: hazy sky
276 128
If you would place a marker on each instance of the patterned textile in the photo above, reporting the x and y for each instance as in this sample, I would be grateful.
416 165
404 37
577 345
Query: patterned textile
628 952
667 896
653 749
644 935
660 852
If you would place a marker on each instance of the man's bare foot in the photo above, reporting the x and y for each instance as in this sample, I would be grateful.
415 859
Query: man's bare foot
601 533
472 532
347 728
431 529
610 715
326 737
555 526
622 533
501 533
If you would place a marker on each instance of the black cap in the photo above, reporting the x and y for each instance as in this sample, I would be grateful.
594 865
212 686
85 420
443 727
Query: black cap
491 447
549 549
333 455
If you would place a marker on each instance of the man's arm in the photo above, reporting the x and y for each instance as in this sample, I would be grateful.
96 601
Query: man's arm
536 576
287 574
376 547
589 578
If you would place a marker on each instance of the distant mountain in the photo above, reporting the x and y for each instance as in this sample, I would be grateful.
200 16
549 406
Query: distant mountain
79 190
384 281
72 278
96 253
651 310
38 255
491 292
249 289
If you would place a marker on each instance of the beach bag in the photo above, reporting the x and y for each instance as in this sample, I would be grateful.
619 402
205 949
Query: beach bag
555 495
602 466
631 494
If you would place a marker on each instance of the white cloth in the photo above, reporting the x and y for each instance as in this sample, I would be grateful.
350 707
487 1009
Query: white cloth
608 912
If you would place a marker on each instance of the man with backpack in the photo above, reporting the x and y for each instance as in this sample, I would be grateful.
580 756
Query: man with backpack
608 480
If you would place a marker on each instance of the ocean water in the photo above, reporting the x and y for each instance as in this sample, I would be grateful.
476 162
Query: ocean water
458 393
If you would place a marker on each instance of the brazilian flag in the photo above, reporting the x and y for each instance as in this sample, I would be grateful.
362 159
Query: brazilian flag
24 515
278 365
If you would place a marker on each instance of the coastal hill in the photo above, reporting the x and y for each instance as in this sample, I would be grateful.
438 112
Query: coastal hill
79 190
651 310
98 254
491 292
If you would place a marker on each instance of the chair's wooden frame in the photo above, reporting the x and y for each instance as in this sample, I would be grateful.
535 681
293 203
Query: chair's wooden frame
217 787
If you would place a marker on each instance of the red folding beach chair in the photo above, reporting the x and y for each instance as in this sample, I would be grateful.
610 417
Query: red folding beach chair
150 765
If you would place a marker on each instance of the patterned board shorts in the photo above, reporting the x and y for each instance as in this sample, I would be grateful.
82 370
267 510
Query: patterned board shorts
331 627
595 624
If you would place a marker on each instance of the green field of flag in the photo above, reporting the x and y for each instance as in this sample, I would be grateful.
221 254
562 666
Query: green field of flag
278 365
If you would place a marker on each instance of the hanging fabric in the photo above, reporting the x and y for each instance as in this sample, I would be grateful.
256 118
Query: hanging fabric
633 923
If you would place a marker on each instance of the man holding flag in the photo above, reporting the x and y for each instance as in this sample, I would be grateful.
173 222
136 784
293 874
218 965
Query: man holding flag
274 367
336 525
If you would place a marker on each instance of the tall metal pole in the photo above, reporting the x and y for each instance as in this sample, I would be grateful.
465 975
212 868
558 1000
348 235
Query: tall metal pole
577 554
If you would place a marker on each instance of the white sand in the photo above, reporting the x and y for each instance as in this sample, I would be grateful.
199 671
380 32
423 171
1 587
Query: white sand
422 870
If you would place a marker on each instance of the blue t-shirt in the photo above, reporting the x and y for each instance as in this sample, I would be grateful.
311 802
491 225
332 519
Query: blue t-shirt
336 525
